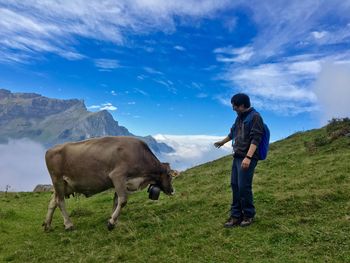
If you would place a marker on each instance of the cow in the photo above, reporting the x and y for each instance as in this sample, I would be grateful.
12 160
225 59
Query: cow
95 165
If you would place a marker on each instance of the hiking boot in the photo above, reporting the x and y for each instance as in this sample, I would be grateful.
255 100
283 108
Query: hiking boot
232 222
246 221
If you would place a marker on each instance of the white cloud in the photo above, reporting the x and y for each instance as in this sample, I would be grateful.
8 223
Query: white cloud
191 150
23 35
304 68
180 48
339 35
319 35
104 106
152 71
238 55
333 92
284 87
141 91
279 84
141 77
106 64
93 107
22 165
32 27
180 7
108 106
284 24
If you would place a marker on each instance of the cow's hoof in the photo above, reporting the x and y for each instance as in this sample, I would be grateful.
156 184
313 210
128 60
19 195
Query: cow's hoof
47 227
110 226
69 228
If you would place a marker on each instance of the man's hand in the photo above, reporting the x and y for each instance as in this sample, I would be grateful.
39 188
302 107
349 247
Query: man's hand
218 144
222 142
245 163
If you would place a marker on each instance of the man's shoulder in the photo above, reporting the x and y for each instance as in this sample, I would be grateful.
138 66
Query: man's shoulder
255 116
252 113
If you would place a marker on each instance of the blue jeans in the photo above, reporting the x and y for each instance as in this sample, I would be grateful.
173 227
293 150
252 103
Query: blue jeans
241 184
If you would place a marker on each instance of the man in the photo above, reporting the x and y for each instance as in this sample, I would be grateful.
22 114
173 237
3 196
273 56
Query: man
246 134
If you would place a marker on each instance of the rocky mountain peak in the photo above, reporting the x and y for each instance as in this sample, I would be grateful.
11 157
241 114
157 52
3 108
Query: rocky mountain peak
53 121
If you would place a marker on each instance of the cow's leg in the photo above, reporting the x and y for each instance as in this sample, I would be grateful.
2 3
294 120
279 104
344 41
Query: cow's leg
59 189
115 201
50 211
68 225
121 192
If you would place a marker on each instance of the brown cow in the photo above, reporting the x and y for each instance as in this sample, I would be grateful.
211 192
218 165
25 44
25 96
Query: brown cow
95 165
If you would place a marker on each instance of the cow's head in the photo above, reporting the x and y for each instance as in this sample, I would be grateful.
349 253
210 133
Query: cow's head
165 179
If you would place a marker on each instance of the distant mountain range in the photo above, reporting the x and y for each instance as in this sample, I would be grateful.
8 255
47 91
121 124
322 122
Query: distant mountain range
54 121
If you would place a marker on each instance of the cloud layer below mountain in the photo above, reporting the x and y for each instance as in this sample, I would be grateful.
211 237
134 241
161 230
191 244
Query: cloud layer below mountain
191 150
22 165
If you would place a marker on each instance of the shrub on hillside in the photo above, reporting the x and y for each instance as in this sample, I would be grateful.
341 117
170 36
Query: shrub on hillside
336 128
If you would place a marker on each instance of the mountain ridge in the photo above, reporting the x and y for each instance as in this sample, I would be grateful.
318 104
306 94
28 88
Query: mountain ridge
53 121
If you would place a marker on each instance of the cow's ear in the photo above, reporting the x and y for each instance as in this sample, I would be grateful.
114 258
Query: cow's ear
167 166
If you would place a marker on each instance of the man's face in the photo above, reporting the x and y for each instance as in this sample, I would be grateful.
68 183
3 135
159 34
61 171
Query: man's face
238 109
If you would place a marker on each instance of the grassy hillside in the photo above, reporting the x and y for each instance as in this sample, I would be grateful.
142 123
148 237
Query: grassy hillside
301 194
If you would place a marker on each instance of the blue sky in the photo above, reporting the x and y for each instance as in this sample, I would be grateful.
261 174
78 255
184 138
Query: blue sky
171 67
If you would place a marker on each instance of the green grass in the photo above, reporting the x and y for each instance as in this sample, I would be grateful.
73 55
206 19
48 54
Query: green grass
302 197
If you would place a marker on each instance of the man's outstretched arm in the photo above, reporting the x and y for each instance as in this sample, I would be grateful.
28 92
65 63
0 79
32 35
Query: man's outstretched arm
222 142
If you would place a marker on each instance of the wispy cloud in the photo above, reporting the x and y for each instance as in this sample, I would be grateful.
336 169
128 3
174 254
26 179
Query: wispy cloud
106 64
38 27
152 71
229 54
141 91
196 85
24 35
166 83
286 25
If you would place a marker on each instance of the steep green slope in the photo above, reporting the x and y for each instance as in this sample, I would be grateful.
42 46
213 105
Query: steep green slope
301 195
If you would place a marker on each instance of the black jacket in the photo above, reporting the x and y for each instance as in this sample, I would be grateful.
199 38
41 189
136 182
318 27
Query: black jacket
246 131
